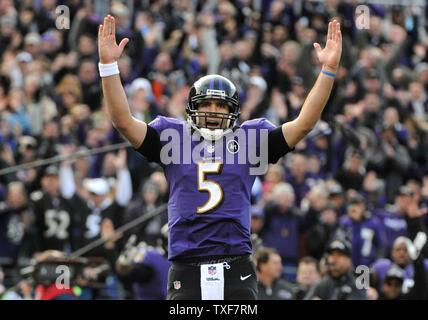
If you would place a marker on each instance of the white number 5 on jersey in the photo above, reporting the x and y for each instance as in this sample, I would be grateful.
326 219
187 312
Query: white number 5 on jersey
216 195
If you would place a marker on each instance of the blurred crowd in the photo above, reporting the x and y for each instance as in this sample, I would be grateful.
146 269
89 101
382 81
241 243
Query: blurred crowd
354 192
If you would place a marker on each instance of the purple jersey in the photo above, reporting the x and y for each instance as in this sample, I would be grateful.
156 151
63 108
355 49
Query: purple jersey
383 265
210 188
367 238
394 226
156 287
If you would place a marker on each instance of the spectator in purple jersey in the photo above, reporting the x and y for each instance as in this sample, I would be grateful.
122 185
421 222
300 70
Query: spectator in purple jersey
284 225
393 217
298 176
364 231
400 255
374 191
209 216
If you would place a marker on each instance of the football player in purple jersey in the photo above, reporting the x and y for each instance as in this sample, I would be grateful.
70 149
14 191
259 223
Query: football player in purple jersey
210 165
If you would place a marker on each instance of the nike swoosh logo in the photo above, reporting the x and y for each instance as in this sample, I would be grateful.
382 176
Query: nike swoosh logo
246 277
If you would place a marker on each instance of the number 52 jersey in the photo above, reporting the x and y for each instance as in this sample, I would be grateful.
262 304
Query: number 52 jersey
210 184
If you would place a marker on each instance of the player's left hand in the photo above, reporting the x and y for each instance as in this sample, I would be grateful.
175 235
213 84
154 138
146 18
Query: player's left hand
330 55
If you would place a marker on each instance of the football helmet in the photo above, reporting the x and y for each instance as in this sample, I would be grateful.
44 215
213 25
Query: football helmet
212 87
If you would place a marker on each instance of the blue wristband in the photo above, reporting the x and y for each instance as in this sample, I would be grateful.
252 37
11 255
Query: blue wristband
328 73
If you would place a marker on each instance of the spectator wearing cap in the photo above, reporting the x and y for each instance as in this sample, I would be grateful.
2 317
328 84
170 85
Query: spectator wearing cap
55 216
19 72
142 100
364 231
339 283
32 44
269 269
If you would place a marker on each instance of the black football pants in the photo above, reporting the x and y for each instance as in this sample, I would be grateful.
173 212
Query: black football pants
240 280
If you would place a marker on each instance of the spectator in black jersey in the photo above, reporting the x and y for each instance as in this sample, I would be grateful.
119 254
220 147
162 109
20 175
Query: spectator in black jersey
95 202
54 215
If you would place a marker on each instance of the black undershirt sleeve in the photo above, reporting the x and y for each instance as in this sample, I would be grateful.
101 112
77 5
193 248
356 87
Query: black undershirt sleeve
277 146
151 146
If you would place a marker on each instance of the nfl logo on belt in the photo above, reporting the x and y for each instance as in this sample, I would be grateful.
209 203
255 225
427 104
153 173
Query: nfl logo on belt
212 270
177 285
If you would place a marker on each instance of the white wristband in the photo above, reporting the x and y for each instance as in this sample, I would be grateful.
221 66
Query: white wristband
108 69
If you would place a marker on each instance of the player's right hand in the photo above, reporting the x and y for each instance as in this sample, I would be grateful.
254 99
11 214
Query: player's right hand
108 49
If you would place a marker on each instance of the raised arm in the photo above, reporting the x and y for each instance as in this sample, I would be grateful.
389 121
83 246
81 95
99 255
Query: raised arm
296 130
117 104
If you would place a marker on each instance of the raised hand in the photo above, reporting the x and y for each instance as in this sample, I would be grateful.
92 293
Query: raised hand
330 55
108 49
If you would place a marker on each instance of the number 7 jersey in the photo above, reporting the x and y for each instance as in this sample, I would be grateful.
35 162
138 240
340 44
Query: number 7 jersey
210 186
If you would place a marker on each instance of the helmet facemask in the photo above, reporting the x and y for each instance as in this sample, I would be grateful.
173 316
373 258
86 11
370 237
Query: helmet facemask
212 125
